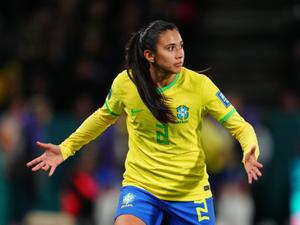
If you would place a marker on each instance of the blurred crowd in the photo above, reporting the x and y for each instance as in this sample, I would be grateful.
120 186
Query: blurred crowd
57 61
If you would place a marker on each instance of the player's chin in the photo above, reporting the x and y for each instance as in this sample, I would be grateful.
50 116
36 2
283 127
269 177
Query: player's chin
172 69
176 69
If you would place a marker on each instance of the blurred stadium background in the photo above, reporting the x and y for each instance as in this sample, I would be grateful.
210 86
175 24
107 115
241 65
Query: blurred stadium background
58 59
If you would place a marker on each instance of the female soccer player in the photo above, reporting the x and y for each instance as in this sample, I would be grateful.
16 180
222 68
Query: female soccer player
165 103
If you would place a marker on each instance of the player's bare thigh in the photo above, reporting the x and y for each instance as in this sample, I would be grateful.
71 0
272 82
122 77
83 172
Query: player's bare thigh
128 220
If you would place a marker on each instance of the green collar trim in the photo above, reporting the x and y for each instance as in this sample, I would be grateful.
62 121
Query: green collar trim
170 84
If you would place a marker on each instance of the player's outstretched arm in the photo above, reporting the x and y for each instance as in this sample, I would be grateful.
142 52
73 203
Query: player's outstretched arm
252 166
50 159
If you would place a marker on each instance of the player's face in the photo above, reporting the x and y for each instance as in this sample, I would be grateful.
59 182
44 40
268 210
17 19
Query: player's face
169 55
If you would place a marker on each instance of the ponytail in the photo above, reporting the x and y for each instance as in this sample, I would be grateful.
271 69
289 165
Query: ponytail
138 69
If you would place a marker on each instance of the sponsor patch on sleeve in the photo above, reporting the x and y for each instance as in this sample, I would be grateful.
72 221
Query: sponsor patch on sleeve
223 99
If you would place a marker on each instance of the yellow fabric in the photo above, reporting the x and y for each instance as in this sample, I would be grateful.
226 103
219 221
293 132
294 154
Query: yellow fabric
166 160
92 127
243 132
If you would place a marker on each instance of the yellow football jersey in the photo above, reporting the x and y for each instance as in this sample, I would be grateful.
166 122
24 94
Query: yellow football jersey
165 159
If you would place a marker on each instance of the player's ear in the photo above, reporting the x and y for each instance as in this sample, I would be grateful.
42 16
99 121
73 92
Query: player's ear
149 56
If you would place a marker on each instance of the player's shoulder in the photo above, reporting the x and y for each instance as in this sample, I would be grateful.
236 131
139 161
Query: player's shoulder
122 76
122 79
194 77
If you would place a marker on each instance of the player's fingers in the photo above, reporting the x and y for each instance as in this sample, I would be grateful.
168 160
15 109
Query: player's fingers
258 164
257 171
34 161
38 166
250 177
42 145
254 175
46 167
52 169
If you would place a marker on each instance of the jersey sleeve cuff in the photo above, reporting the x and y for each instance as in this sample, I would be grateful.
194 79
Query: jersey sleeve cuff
65 152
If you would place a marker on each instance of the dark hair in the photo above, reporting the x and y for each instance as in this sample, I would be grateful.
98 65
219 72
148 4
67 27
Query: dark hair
138 68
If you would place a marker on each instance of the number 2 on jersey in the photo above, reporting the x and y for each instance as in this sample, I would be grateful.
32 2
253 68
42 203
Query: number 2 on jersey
162 134
202 209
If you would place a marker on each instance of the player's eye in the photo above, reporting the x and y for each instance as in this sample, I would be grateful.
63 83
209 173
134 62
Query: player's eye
170 48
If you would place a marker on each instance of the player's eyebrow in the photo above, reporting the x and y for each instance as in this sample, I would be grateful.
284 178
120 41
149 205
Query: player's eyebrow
174 44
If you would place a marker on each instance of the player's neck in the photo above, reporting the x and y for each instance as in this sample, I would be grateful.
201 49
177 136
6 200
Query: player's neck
161 78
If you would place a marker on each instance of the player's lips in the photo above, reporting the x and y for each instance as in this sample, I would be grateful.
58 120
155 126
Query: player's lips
179 64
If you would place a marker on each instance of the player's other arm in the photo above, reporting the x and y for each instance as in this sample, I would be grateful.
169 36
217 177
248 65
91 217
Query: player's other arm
217 105
92 127
54 155
245 134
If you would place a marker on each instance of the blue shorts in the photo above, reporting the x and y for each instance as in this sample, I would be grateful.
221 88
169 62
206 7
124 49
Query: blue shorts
153 211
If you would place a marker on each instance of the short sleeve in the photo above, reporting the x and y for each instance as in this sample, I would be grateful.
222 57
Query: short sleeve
215 102
113 101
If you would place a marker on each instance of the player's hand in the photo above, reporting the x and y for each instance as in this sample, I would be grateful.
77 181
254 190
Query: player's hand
252 166
50 159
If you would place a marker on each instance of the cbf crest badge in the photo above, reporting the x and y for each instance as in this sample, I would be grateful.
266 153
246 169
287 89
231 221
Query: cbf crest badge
182 113
128 200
